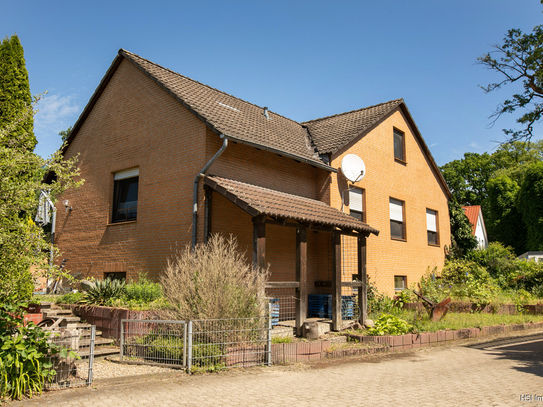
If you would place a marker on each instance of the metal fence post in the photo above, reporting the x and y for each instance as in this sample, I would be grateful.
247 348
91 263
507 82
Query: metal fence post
122 338
91 355
269 353
189 356
185 344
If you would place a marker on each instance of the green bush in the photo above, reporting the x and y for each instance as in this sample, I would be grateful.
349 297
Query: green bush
103 292
390 325
23 351
213 281
70 298
142 291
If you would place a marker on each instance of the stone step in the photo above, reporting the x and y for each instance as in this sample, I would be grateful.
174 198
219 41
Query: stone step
99 341
51 313
101 352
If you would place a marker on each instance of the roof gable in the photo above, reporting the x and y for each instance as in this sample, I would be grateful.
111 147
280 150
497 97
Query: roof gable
333 132
473 213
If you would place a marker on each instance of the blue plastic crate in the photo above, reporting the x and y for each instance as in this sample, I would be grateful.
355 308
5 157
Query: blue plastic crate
274 311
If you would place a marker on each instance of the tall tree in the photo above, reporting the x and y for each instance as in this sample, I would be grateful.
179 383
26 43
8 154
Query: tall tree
15 97
504 222
530 205
462 239
519 60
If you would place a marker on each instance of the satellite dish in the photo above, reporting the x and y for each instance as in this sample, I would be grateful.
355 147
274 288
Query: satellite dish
353 167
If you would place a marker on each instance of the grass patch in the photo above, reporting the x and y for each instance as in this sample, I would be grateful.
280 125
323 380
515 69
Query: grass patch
453 321
282 339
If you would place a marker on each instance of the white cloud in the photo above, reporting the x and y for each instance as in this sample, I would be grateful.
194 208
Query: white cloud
55 114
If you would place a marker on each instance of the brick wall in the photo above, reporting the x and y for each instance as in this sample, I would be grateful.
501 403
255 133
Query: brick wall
416 184
135 123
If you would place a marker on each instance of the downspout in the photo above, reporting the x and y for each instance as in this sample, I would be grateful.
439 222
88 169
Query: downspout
201 174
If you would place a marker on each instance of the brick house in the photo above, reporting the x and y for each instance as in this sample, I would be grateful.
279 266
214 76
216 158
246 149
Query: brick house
151 141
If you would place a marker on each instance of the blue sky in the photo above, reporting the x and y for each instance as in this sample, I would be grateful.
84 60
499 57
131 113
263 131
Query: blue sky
302 59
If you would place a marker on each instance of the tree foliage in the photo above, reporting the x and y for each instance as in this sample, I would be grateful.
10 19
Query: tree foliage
462 240
15 95
22 243
530 205
518 59
504 222
493 181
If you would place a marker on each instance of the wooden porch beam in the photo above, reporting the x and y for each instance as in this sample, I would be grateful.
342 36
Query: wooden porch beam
259 241
336 281
301 278
362 277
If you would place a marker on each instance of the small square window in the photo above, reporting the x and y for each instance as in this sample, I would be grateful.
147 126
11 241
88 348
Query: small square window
400 283
399 145
125 195
119 275
356 203
397 221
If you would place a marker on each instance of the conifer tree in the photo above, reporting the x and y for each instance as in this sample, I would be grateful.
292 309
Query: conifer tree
15 97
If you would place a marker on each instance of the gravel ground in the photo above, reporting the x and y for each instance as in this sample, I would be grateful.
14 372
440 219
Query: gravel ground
106 369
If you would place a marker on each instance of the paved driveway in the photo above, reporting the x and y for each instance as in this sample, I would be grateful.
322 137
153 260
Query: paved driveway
502 372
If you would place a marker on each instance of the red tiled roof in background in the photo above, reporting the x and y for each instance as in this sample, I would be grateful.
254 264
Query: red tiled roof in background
472 212
257 200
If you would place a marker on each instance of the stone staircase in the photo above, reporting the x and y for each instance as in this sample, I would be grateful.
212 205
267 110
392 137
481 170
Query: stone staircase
57 317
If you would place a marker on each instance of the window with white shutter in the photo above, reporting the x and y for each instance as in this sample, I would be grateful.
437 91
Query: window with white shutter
125 195
356 203
397 221
431 226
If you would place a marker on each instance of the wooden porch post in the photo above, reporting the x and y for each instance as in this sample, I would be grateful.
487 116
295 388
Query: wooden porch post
259 241
362 276
336 281
301 277
207 213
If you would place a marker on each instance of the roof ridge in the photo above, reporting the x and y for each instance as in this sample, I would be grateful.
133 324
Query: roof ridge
124 52
352 111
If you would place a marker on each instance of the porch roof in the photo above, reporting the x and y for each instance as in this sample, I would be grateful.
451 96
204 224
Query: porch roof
282 207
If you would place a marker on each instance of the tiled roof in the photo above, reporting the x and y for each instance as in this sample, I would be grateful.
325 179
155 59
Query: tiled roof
472 212
263 201
232 116
331 133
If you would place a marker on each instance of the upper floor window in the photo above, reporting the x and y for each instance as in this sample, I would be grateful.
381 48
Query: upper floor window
431 226
125 195
397 219
399 145
356 203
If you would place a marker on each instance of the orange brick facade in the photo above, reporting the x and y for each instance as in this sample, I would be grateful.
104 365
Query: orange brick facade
135 123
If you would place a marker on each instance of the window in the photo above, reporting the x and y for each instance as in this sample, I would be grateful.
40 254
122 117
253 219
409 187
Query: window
400 283
119 275
125 195
399 145
356 203
431 226
397 222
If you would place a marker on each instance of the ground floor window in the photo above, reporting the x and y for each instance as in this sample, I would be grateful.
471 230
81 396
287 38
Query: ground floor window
400 283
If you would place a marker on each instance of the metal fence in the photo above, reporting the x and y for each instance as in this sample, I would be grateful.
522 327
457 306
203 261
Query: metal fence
229 343
74 360
283 302
154 342
198 344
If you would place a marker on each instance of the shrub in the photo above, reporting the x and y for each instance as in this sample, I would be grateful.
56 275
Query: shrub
103 292
23 351
213 281
70 298
390 325
143 291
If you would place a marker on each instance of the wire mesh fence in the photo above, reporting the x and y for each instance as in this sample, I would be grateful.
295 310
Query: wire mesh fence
320 306
227 343
73 363
283 302
154 342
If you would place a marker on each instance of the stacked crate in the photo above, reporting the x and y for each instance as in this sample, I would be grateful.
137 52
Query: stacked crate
320 306
274 311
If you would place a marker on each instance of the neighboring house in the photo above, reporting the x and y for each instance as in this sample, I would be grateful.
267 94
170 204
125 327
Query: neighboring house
534 256
478 229
276 184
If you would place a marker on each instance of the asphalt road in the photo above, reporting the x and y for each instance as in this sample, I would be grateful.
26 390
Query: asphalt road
507 371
